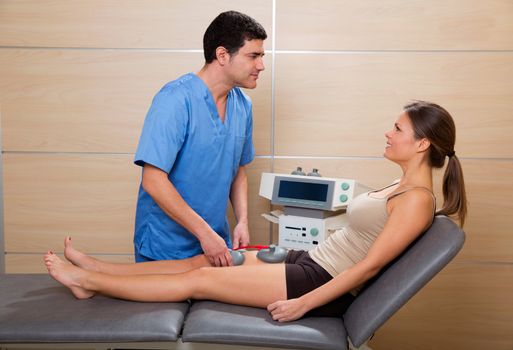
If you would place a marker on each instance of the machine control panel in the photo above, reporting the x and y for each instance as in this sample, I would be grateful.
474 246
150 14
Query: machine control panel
307 191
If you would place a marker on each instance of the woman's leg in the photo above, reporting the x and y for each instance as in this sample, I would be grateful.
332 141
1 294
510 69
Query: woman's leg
252 285
87 262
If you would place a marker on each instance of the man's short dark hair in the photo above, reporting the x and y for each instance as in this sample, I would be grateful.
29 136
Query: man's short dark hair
230 30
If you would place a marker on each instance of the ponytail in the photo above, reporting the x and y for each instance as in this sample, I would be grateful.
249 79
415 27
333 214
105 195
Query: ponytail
455 197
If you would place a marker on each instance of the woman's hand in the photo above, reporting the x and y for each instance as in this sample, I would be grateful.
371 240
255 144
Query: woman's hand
287 310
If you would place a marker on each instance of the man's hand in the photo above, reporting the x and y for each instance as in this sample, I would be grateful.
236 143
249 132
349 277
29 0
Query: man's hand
240 235
216 251
287 310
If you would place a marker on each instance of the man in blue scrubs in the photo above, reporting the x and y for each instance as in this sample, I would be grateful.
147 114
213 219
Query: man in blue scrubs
195 143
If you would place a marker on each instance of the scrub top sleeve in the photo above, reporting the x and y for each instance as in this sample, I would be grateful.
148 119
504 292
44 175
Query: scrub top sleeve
163 133
248 151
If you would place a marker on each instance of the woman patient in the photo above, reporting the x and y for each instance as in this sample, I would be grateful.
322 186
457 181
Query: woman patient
321 282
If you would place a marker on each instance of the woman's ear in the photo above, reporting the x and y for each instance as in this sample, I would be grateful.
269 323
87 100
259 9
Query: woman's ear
423 145
222 55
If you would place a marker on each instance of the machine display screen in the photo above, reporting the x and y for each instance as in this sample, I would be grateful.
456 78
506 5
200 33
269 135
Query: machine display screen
303 191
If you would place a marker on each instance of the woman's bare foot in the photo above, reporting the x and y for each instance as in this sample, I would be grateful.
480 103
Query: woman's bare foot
78 258
67 274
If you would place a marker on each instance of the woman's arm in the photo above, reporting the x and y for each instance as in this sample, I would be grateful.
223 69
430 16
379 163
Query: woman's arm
409 215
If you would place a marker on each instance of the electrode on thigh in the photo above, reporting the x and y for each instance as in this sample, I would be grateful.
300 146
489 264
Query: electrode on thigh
237 257
270 254
273 254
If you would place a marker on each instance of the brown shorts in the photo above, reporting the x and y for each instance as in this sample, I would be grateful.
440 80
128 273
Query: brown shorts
303 275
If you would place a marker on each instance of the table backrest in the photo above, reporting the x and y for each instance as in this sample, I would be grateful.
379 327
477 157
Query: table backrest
401 279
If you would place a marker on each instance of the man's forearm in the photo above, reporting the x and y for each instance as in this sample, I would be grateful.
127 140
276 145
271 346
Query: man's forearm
163 192
239 196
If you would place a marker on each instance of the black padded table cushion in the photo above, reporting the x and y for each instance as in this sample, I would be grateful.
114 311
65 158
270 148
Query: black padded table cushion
213 322
35 308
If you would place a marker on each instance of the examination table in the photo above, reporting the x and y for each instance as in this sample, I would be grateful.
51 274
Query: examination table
37 312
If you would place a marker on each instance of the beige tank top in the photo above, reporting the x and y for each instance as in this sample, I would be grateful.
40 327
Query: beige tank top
344 248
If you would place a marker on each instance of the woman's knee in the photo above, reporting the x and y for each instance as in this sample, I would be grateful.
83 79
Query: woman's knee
200 279
199 261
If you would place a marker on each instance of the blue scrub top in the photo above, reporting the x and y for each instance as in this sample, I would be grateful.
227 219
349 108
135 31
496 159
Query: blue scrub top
184 136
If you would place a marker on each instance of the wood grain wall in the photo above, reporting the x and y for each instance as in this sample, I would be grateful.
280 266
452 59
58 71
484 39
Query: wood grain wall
77 77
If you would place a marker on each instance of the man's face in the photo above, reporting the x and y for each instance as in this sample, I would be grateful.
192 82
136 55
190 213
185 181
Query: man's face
246 64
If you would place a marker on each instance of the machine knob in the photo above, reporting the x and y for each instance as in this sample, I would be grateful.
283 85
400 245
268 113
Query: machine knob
345 186
298 171
315 172
343 198
314 231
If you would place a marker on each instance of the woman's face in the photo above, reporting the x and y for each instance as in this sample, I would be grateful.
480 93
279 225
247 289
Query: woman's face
401 143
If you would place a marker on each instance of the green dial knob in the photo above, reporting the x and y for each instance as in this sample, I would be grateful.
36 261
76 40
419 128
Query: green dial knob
343 198
345 186
314 232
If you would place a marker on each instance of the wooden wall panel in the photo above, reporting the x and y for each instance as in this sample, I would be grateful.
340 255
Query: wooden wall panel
466 306
489 193
90 197
341 104
95 101
394 25
177 24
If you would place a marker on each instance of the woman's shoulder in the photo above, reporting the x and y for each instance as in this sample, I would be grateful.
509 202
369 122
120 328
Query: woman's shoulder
412 200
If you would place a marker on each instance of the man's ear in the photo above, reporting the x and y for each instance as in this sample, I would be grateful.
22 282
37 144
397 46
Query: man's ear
222 55
424 145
